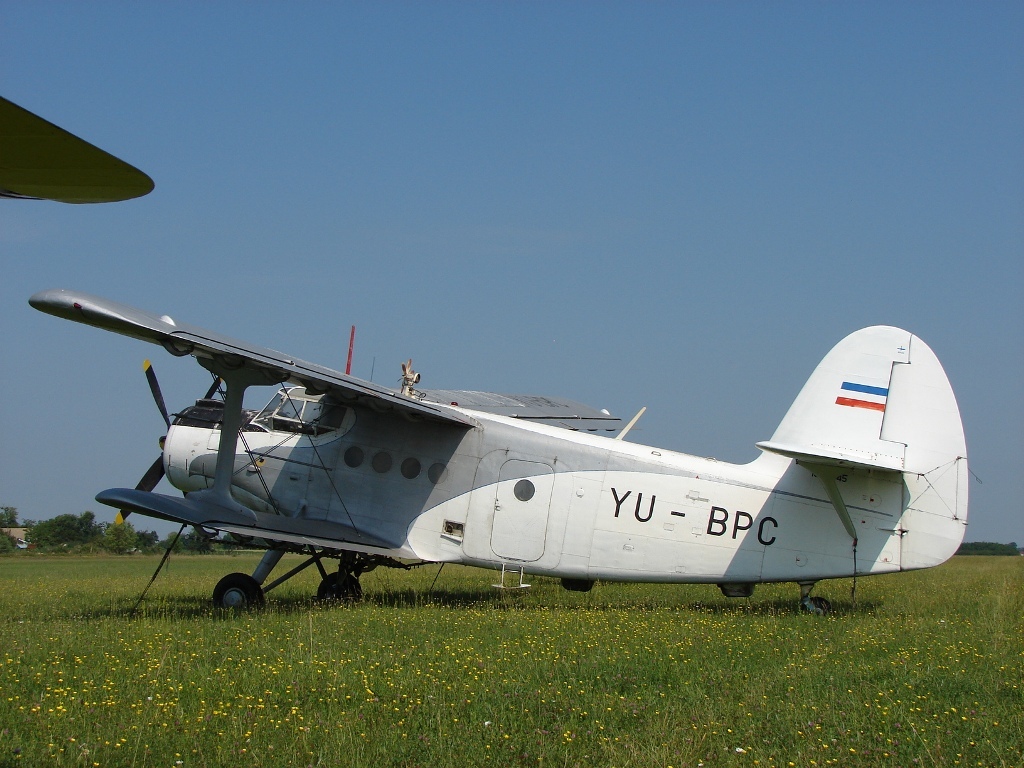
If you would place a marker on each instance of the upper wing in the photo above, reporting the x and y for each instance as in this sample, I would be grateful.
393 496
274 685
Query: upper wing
227 353
553 411
42 160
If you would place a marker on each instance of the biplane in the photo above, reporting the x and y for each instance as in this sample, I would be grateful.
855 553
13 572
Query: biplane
866 474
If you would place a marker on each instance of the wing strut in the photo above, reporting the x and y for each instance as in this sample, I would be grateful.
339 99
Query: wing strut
236 380
632 423
827 475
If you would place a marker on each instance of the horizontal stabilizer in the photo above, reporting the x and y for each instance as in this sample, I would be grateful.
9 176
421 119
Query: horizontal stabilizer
832 458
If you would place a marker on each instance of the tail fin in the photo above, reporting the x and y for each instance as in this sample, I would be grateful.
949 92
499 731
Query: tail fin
881 401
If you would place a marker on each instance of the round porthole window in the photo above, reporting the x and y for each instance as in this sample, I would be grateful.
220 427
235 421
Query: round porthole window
437 473
410 468
381 462
524 490
354 456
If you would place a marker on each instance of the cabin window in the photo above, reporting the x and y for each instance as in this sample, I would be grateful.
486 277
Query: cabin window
354 456
381 462
524 490
292 410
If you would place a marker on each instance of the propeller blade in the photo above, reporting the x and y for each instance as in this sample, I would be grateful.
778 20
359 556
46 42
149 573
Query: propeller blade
154 387
153 475
148 482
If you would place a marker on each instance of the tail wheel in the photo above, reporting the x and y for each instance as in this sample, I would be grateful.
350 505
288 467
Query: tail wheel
817 605
822 604
238 591
340 586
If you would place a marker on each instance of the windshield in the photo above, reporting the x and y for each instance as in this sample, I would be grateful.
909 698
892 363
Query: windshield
292 410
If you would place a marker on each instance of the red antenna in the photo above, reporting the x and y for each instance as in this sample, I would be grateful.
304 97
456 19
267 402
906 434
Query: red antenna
351 346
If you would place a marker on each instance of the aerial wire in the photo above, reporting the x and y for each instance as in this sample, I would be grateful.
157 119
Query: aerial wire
163 560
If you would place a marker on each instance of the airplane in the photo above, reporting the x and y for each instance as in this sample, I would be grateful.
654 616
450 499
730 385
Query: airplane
866 474
42 161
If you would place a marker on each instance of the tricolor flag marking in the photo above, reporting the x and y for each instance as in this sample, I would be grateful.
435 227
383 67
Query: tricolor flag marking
863 396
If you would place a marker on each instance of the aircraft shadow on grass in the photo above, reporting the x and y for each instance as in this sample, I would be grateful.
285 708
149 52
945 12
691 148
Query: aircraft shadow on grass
191 606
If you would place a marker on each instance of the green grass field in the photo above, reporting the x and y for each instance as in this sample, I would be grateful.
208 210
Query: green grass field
925 670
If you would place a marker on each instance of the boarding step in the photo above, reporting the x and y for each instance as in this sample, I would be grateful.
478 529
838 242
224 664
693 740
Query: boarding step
512 570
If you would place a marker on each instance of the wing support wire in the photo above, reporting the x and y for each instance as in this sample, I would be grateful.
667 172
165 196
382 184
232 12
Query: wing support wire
327 474
237 381
163 560
259 472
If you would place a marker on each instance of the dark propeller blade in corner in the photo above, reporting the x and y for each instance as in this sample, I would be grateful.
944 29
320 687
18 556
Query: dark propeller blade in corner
154 387
148 482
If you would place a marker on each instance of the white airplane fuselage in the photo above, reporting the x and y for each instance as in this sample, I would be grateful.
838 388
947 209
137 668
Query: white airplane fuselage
586 507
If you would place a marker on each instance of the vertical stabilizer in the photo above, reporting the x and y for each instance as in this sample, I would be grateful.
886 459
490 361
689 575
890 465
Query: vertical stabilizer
881 402
838 414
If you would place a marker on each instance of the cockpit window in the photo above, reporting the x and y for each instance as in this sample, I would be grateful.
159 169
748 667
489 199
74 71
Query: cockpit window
292 410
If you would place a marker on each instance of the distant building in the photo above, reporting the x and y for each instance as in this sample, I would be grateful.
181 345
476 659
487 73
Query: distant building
18 534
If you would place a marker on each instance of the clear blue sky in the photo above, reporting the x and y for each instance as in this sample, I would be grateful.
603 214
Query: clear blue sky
677 205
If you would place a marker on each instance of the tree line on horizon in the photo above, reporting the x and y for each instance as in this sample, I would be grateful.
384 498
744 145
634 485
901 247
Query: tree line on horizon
988 548
81 534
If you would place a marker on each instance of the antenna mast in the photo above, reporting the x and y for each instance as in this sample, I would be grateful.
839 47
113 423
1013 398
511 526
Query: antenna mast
351 346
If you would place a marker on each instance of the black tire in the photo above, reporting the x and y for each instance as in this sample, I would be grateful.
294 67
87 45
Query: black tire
577 585
345 587
822 604
238 591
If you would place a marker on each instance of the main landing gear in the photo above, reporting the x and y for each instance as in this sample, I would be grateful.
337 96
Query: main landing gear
813 604
344 583
240 591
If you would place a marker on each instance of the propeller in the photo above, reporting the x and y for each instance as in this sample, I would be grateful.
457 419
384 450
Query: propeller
155 473
154 387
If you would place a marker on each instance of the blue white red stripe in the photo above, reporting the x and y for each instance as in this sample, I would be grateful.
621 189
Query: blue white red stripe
863 396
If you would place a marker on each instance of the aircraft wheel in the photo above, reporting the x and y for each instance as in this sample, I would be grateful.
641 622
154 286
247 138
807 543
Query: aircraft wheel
815 604
342 586
822 604
238 591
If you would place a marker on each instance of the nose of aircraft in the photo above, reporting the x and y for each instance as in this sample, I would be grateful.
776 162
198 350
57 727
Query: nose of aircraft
156 470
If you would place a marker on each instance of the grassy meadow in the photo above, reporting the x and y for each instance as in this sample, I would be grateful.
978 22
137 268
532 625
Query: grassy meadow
926 669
